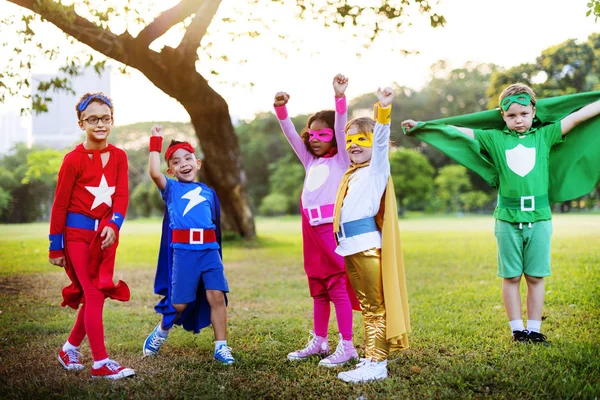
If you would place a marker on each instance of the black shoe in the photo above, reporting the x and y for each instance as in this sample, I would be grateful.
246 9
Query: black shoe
537 338
521 336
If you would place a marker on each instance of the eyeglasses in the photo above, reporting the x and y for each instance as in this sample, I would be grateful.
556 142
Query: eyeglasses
106 119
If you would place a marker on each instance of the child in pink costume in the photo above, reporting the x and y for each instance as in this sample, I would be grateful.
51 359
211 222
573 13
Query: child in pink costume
316 147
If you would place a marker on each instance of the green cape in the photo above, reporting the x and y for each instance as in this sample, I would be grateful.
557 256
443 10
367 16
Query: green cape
574 164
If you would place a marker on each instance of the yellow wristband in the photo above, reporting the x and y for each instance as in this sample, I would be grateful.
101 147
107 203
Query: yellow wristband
383 115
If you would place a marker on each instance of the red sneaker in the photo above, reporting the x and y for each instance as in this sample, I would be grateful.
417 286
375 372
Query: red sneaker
112 370
70 360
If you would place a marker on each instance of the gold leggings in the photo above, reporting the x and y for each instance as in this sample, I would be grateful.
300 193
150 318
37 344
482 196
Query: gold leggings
364 272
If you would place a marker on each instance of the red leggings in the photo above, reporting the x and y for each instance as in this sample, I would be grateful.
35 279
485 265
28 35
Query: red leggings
89 318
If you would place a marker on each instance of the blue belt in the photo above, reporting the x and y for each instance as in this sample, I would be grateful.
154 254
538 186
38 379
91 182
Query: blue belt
357 227
75 220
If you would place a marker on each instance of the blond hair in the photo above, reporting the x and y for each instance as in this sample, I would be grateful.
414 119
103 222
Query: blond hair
517 88
362 124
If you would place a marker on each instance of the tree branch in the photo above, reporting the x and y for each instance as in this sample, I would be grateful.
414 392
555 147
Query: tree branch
197 29
117 47
165 21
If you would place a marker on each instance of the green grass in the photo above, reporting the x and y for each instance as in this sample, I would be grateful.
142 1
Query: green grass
460 340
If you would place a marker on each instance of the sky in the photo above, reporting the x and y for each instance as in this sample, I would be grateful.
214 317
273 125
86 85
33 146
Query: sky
483 31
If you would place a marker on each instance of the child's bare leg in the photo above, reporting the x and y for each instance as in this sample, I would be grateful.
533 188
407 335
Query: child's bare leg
180 308
512 297
535 297
218 313
156 338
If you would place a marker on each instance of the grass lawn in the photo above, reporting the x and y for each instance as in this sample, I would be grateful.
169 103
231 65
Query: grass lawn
460 340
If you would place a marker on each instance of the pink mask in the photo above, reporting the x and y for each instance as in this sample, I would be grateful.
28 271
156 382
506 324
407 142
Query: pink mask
324 135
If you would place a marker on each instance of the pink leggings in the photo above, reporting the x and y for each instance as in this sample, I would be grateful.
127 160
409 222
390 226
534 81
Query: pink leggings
338 294
89 318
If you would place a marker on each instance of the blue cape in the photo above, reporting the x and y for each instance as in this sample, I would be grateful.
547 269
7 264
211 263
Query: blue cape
197 314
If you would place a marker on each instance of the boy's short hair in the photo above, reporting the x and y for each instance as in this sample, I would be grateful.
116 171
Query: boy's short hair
175 143
363 124
89 98
326 116
517 88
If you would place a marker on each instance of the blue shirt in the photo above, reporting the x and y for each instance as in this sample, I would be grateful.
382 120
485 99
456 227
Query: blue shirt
190 205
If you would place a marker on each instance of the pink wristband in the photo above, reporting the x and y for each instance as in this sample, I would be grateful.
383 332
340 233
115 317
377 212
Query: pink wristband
340 105
281 112
155 143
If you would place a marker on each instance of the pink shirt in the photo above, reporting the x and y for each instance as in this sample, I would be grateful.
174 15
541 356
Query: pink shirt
323 175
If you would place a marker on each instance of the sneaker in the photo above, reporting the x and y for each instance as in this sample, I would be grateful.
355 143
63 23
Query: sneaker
366 371
521 336
153 343
537 338
112 370
316 346
223 355
70 360
343 353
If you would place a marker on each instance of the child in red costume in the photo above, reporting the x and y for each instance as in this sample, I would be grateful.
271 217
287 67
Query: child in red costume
89 207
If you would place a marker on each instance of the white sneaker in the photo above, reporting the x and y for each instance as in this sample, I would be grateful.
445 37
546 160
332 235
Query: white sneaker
367 370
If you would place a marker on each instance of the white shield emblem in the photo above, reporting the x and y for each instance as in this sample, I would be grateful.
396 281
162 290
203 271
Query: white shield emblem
316 177
521 159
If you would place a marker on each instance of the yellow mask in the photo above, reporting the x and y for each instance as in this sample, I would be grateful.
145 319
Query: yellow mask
360 139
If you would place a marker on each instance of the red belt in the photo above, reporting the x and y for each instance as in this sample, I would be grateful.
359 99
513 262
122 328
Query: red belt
194 236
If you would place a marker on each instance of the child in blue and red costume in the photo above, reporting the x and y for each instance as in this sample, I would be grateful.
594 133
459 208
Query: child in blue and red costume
89 207
190 273
317 149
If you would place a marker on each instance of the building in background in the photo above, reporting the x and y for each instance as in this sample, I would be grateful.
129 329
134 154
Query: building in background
13 131
58 127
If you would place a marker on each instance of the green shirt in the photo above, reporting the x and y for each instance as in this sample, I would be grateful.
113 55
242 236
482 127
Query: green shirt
522 163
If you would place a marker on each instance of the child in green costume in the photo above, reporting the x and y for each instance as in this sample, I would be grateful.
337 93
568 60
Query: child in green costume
517 159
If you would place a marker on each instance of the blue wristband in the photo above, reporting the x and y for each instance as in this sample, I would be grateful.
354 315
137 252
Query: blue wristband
57 241
117 219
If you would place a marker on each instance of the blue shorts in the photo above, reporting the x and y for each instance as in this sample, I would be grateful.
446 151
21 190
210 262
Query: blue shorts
191 268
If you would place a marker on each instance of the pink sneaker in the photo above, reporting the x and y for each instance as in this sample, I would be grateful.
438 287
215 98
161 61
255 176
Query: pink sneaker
112 370
343 353
70 360
316 346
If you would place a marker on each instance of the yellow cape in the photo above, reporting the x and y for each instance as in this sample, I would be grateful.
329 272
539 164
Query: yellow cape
392 272
392 261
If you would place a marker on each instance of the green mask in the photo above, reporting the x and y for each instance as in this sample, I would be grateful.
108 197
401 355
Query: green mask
521 98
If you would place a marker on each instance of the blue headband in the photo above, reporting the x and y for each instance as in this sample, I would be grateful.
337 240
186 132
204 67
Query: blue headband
87 101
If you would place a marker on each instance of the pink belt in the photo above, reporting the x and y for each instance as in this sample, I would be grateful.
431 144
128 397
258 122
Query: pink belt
317 213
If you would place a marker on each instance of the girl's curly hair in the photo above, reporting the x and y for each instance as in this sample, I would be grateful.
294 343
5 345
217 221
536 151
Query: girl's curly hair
326 116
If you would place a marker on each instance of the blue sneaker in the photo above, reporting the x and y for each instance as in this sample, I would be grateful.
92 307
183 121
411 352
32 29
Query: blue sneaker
153 343
223 355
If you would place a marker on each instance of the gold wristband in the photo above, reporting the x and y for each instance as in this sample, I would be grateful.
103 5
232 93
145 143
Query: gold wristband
383 115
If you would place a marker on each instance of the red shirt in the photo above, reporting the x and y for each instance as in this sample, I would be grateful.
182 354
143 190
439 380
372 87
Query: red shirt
85 187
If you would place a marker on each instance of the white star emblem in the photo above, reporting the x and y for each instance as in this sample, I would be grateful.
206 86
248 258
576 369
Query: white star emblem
101 193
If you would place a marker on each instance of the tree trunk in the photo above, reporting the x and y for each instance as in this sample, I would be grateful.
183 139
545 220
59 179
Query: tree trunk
173 70
221 166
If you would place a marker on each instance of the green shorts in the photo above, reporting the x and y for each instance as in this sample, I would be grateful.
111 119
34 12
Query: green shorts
523 249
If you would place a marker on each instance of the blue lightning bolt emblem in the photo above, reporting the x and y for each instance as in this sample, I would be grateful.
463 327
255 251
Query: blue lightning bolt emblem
194 198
